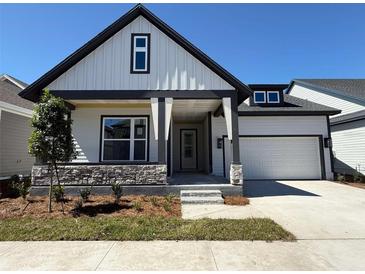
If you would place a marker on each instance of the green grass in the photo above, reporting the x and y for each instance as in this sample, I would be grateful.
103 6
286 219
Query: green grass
140 228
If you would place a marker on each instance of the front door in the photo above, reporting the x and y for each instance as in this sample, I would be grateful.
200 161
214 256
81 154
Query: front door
188 149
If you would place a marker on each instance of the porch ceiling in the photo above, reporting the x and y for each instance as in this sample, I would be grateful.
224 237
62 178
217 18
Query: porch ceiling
110 103
193 110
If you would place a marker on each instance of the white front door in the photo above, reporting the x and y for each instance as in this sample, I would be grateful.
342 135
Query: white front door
188 149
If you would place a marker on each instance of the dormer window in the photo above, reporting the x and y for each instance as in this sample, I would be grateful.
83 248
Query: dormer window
140 57
273 97
260 97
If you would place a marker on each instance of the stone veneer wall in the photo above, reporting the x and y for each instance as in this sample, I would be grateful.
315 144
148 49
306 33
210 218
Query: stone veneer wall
152 174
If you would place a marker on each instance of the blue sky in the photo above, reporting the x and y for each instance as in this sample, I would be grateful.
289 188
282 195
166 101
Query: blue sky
258 43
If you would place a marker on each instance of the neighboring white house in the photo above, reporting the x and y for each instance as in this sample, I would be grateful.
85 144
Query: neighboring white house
147 104
348 128
15 129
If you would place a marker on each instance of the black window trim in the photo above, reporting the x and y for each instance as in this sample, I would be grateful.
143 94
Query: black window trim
102 117
148 35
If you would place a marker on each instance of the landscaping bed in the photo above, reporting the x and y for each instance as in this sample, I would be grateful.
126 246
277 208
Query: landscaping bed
236 200
133 205
140 228
358 185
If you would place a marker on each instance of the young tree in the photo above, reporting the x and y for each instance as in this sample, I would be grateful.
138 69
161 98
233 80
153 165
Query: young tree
51 139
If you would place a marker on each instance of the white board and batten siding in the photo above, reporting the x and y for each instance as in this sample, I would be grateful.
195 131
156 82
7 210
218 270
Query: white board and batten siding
275 125
336 101
14 133
86 130
108 66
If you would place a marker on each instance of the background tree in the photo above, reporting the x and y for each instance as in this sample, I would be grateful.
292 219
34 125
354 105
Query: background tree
51 139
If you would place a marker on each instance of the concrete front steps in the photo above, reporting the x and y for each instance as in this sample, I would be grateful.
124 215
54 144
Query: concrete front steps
201 197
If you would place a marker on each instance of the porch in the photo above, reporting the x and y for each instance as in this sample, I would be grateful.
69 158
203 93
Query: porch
191 179
149 142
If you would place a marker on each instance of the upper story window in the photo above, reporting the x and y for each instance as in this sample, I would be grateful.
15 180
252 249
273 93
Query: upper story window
260 97
273 97
140 57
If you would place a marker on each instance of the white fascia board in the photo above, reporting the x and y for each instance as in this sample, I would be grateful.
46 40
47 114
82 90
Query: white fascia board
154 108
16 110
4 76
228 115
168 110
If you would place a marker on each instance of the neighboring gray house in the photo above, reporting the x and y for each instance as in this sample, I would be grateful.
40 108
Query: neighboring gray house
15 129
148 105
348 128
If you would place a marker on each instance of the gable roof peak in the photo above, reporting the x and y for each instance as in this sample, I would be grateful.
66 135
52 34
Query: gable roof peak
33 91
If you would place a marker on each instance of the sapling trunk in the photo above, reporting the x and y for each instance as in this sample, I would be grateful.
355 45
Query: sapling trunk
59 186
50 168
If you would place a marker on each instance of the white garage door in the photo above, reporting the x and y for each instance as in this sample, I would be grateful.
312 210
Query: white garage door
278 157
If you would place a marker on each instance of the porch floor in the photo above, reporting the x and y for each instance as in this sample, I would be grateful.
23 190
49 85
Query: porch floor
196 179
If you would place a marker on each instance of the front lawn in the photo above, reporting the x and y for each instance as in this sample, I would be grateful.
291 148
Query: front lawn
139 228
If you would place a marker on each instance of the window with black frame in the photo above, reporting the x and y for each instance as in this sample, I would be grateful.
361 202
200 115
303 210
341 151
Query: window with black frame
124 139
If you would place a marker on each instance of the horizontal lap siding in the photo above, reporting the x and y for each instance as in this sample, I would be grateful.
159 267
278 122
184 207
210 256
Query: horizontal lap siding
15 131
349 146
86 130
271 125
108 67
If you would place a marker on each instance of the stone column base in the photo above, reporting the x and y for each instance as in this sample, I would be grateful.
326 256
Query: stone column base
236 174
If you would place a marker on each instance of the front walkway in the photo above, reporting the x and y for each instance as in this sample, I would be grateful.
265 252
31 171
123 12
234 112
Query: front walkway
186 255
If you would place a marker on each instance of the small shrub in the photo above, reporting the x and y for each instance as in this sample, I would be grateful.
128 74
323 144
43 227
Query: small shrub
19 186
78 204
85 193
137 206
24 188
154 201
167 206
341 178
357 175
118 191
169 198
58 193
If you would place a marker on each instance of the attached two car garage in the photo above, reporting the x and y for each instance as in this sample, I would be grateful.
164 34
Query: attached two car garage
279 157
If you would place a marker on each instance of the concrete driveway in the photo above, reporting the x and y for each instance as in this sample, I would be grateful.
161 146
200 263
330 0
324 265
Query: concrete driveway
327 218
308 209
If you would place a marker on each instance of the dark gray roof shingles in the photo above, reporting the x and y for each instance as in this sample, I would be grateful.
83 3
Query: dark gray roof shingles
292 104
347 87
9 94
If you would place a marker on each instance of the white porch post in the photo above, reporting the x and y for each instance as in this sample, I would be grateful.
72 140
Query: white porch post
154 107
228 115
168 110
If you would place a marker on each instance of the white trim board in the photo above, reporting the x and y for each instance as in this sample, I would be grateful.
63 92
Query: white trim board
16 110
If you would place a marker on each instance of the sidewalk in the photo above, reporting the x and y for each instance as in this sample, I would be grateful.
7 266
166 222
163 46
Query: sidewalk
186 255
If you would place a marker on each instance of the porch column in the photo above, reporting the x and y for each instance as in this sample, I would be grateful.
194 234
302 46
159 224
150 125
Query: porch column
161 131
231 115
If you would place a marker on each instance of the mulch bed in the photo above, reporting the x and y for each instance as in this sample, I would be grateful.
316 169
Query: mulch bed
132 205
358 185
236 200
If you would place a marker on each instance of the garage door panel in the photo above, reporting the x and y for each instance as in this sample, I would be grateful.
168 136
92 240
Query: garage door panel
279 157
